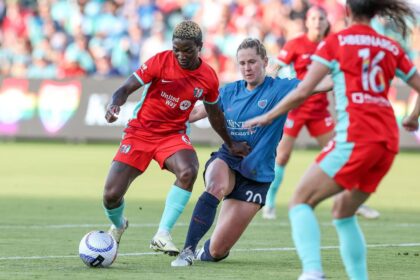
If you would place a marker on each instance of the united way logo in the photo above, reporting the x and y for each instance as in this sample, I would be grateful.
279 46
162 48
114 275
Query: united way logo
198 92
262 103
124 149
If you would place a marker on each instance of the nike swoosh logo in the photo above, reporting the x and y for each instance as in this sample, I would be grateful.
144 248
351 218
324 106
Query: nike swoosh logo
166 81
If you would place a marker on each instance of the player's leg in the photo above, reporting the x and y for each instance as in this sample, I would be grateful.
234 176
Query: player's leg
292 128
119 179
184 164
314 187
219 180
234 217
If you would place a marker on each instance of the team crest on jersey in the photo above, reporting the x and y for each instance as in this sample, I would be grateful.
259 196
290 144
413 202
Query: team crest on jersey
198 92
262 103
185 105
124 149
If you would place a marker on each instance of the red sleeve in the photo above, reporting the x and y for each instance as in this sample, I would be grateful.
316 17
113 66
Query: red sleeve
405 68
287 54
148 70
212 95
326 51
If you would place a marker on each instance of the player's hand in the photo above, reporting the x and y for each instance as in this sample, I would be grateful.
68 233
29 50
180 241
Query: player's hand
112 112
257 121
240 149
410 123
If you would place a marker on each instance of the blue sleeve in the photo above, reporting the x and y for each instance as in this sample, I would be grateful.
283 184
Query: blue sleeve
285 87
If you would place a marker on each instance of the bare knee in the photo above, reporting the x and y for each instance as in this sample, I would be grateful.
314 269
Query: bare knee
219 252
112 198
282 158
186 176
216 189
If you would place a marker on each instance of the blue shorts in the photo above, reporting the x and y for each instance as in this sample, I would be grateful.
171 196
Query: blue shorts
245 189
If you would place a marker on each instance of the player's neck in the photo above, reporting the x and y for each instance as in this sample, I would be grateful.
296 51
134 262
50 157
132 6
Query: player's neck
314 37
362 21
195 65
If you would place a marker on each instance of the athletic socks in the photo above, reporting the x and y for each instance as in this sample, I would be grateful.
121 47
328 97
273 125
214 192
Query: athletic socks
175 203
352 247
201 220
306 236
116 215
270 200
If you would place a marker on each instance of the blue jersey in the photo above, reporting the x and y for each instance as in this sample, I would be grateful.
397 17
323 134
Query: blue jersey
239 105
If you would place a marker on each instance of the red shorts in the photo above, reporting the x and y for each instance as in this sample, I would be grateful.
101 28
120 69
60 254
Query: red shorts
315 126
356 165
138 148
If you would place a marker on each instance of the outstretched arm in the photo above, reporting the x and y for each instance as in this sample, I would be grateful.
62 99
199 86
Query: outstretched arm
120 97
218 122
411 122
197 113
316 72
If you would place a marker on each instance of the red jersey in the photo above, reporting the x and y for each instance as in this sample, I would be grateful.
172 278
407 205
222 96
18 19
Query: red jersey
363 63
170 93
298 52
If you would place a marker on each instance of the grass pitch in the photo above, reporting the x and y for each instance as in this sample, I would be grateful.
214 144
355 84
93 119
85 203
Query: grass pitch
50 196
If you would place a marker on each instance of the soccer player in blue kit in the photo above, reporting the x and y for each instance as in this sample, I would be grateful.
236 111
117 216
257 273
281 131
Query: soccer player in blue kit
243 182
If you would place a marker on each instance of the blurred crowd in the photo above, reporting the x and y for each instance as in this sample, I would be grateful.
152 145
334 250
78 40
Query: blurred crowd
105 38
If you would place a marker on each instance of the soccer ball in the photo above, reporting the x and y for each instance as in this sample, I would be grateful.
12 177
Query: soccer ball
98 249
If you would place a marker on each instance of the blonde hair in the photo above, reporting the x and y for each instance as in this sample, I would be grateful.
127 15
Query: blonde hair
251 43
188 30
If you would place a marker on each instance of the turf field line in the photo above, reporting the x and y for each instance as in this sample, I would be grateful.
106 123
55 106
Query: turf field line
148 225
234 250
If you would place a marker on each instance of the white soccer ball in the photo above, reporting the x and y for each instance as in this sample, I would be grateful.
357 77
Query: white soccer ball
98 249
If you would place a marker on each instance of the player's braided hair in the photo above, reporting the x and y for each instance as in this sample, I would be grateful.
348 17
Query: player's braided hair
249 43
396 10
188 30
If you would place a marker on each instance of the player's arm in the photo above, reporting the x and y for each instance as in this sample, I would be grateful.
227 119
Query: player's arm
198 113
317 71
325 85
411 122
119 97
218 122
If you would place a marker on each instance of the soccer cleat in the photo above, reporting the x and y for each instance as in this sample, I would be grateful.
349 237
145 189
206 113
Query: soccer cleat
198 254
185 258
367 212
116 233
312 275
163 243
269 213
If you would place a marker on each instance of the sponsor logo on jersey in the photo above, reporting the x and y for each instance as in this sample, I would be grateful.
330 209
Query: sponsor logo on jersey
262 103
124 149
185 105
171 100
198 92
186 139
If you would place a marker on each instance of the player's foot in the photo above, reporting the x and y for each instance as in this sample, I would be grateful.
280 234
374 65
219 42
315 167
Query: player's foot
116 233
269 213
367 212
185 258
198 254
312 275
163 242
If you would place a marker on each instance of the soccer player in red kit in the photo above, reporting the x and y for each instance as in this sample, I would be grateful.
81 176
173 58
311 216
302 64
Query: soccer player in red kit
172 82
363 64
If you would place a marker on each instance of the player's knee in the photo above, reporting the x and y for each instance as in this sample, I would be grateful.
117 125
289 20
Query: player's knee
282 159
112 198
187 175
216 189
219 253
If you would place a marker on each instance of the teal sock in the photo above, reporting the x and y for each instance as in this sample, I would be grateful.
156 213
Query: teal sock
352 247
116 215
175 203
270 200
306 236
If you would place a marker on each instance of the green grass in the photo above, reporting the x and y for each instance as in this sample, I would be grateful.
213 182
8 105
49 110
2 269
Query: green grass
50 196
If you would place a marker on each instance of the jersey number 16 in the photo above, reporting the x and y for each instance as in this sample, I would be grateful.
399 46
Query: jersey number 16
372 73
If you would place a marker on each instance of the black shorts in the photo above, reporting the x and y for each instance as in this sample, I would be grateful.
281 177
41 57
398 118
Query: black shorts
245 189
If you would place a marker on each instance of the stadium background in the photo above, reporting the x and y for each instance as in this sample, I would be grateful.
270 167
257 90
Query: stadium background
61 60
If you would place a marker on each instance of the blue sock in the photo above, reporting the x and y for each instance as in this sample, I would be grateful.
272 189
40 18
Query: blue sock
270 201
207 257
175 203
306 236
202 219
352 247
116 215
